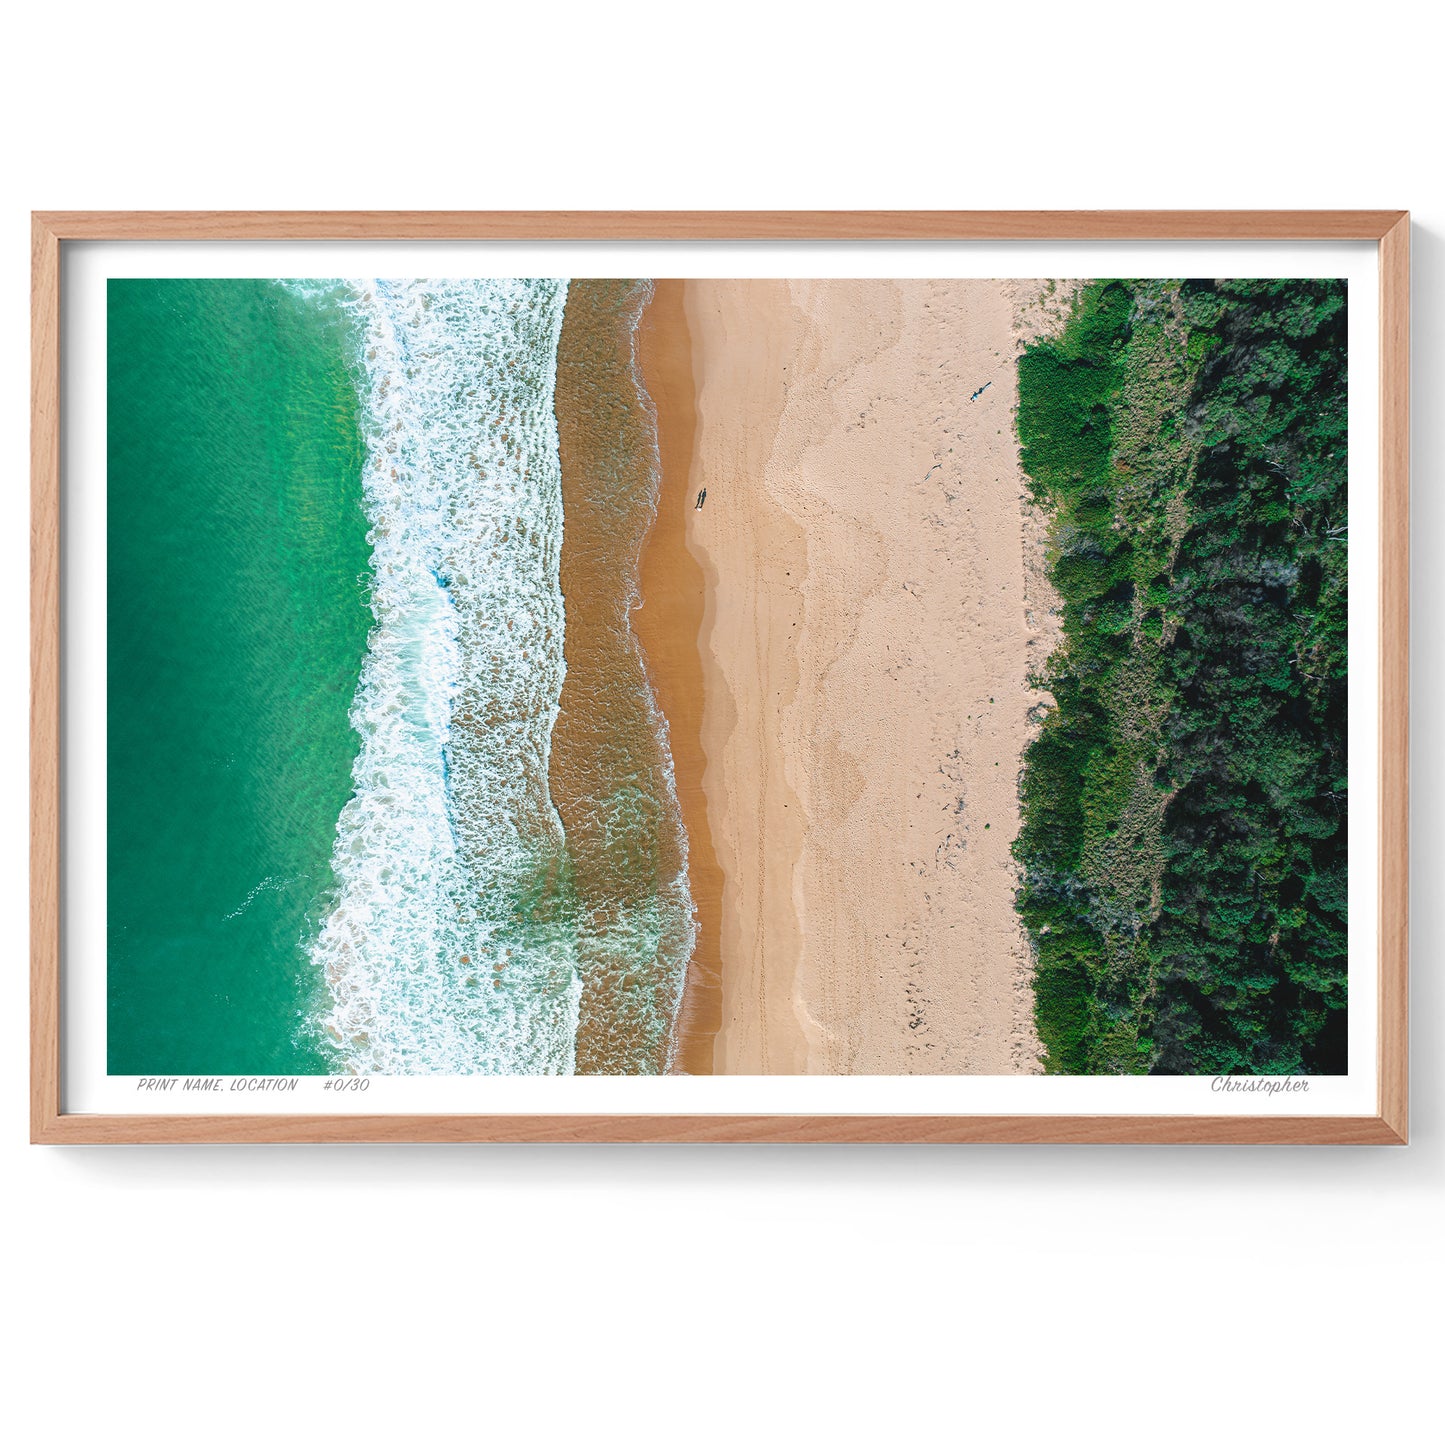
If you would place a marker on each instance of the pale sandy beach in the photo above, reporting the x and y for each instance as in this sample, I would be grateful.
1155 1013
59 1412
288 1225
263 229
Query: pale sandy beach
864 580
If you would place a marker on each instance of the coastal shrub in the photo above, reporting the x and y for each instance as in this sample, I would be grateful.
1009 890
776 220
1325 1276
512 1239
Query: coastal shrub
1183 839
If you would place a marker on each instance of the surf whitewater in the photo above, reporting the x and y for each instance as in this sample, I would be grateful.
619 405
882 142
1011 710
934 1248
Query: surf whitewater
470 930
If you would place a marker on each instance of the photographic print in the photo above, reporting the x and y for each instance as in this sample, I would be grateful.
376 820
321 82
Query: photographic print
647 676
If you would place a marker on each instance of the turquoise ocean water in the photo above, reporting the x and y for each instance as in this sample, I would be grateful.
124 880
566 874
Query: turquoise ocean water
237 626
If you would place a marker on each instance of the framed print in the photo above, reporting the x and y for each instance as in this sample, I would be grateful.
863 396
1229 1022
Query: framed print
720 677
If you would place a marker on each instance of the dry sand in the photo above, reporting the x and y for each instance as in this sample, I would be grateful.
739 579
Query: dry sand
863 587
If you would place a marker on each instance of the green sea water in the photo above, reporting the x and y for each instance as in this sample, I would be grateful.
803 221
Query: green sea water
238 620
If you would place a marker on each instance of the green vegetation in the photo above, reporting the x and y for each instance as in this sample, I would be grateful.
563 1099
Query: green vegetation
1183 839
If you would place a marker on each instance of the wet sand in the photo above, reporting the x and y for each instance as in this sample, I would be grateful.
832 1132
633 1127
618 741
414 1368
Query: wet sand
669 623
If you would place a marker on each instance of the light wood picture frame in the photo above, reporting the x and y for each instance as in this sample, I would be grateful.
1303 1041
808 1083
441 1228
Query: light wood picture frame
53 233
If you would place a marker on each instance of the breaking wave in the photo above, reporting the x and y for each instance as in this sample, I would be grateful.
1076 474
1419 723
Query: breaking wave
450 945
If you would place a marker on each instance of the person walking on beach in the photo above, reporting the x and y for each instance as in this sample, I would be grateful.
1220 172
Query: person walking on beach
701 498
981 391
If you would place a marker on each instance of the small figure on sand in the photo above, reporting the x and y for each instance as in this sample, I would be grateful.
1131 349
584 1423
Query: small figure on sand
981 391
701 498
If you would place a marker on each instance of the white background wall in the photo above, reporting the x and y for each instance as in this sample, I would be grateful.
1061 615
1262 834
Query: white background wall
750 1294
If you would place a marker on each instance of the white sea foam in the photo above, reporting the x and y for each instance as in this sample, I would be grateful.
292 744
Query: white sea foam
267 883
445 950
